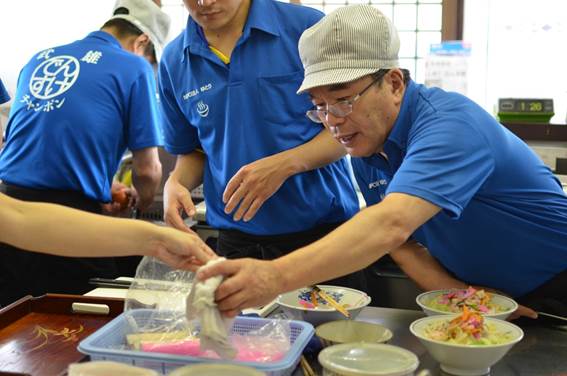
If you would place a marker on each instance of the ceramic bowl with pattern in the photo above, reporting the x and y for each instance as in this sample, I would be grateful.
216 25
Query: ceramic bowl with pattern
301 304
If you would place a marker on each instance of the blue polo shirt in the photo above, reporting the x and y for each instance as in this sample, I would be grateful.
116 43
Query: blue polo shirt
240 112
4 96
77 108
503 222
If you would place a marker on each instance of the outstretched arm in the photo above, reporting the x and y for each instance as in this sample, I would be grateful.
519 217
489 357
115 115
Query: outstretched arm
418 264
256 182
68 232
352 246
416 261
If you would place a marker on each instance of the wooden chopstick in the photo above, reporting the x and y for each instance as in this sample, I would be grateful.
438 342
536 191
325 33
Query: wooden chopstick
307 370
331 301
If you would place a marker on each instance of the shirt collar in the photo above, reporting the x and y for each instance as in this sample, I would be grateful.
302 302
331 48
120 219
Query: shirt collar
261 16
406 117
103 35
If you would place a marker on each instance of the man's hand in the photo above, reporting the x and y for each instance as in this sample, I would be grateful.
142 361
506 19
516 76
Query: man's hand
124 199
248 283
252 185
182 250
176 200
523 311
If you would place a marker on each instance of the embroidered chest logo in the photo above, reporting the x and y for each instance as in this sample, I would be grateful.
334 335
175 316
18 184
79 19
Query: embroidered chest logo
203 109
381 184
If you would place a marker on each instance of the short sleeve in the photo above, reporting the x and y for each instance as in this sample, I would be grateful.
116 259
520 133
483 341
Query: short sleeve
143 120
180 137
446 163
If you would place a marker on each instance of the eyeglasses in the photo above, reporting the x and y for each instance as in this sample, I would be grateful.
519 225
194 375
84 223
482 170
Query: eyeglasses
340 109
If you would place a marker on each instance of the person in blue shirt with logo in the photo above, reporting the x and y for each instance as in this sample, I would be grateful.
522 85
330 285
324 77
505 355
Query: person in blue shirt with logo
4 96
452 195
77 108
273 181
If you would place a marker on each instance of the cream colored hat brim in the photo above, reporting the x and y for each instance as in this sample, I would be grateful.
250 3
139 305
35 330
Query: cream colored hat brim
333 76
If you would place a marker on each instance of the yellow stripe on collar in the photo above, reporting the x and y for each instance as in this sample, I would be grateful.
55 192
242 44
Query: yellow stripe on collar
225 59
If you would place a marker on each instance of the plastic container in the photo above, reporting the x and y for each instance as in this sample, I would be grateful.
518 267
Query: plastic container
367 359
109 343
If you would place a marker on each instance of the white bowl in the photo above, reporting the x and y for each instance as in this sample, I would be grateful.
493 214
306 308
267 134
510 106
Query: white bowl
104 368
509 305
466 360
346 331
368 359
354 299
216 370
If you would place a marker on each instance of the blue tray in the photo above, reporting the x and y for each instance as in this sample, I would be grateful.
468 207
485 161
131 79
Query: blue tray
106 343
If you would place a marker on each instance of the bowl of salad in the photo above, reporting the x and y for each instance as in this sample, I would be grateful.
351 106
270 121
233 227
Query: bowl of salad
442 302
309 305
466 344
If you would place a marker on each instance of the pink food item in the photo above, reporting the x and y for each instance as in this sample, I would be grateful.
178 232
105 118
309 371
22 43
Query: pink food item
192 348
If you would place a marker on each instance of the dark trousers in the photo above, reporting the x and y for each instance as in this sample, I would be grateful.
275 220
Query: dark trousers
28 273
235 244
551 297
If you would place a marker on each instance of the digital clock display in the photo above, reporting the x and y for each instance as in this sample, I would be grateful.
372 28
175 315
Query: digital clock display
533 110
520 105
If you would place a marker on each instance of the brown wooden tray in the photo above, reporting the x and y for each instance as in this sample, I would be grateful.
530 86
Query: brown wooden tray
39 336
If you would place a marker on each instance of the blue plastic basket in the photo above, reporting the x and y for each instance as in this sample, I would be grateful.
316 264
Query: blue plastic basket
106 344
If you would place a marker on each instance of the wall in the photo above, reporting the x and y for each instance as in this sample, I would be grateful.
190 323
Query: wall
519 50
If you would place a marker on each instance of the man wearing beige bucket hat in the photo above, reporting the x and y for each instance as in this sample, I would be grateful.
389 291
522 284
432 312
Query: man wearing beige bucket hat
76 110
448 188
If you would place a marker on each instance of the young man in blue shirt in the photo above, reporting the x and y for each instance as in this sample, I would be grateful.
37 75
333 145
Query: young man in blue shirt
77 108
66 232
273 181
4 98
437 171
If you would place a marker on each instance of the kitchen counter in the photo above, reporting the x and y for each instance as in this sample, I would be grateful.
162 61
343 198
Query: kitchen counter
542 351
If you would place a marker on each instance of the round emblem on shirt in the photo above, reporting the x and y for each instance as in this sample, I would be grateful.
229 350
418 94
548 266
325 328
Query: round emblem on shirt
54 76
202 109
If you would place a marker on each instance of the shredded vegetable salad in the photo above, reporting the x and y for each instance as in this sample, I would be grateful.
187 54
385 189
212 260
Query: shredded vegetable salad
467 329
471 298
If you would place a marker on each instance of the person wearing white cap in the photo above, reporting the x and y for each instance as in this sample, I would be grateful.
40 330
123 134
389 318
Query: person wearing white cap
273 181
76 110
454 196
